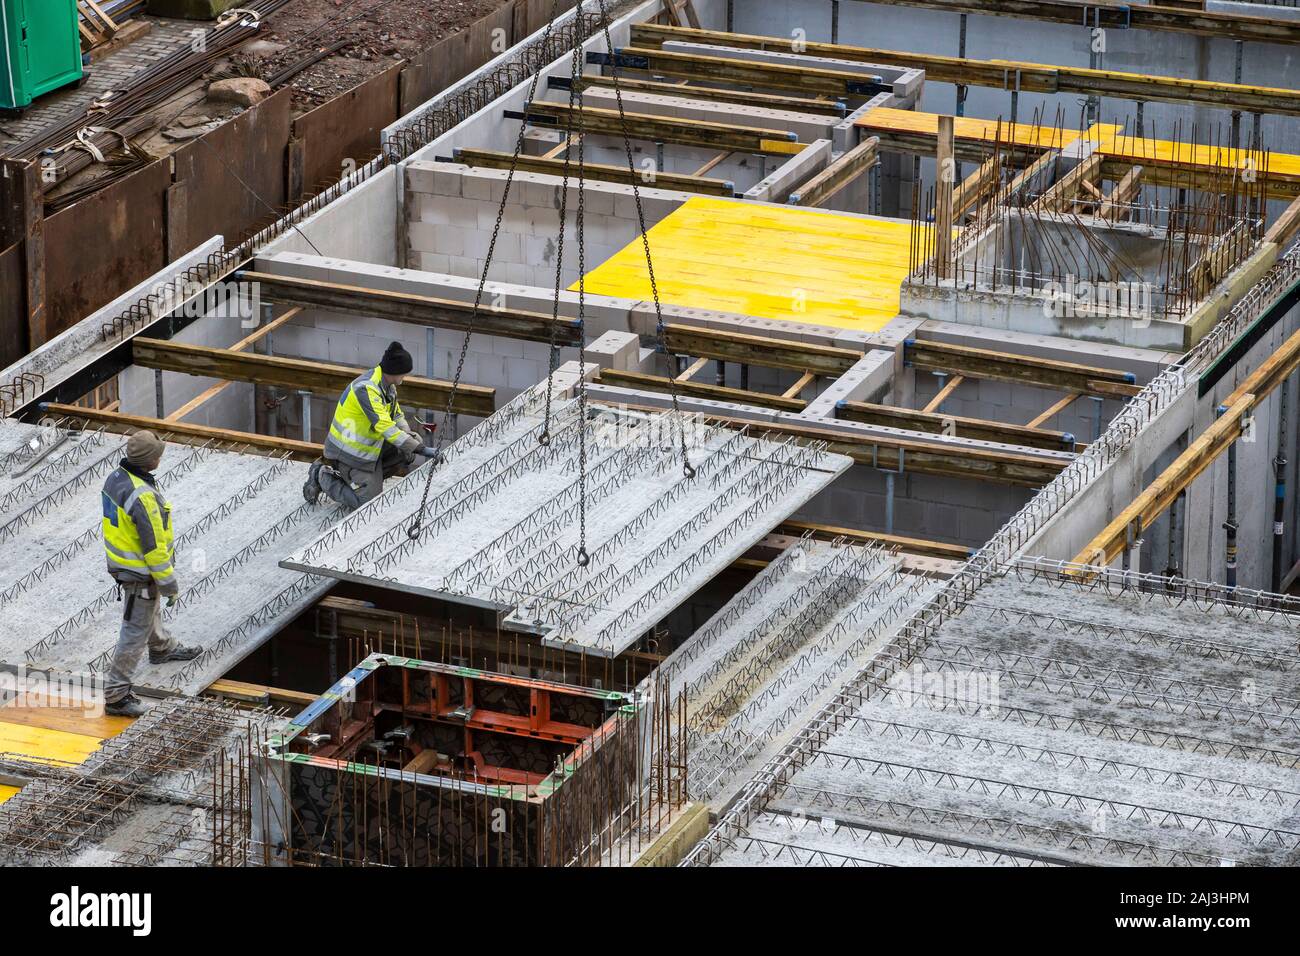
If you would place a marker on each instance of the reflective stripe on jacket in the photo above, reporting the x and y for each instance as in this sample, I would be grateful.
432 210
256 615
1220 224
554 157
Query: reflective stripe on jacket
365 417
137 526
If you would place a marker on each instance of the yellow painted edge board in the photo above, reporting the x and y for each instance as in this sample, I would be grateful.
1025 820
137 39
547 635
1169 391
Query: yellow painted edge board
6 792
37 743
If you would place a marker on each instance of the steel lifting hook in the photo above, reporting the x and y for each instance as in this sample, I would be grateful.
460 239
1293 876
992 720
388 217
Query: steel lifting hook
584 558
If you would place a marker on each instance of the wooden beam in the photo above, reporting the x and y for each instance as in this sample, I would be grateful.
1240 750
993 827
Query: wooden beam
977 429
852 164
804 381
712 68
946 181
1054 410
995 74
247 342
184 431
663 129
1124 17
1160 494
973 188
720 393
1062 195
1284 227
921 546
977 464
416 309
489 159
1122 195
950 386
1021 369
320 378
689 372
770 101
759 350
1175 173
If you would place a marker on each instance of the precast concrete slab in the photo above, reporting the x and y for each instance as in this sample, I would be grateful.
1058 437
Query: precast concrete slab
503 522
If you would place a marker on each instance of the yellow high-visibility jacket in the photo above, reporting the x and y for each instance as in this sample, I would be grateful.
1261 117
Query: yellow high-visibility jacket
366 416
137 525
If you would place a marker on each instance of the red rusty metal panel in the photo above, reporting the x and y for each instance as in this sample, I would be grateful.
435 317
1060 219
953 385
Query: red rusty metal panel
346 128
100 247
234 177
13 306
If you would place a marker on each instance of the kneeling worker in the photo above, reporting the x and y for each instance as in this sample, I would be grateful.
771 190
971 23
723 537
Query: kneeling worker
138 535
369 438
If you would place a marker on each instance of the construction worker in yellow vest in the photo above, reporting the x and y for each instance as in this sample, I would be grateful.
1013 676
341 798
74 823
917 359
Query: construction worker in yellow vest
370 438
138 543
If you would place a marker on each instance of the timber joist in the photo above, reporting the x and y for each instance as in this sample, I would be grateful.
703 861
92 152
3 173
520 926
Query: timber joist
903 456
1010 74
662 129
184 432
759 350
414 309
1021 369
1200 454
769 101
900 455
489 159
809 81
1133 16
937 423
319 378
1173 173
717 393
822 187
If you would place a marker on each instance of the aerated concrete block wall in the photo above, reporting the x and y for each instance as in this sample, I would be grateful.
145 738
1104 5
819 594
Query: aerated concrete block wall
451 213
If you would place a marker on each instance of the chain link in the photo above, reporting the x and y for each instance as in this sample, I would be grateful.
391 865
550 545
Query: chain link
687 469
584 558
440 439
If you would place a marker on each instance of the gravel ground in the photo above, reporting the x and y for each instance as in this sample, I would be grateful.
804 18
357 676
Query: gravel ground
379 33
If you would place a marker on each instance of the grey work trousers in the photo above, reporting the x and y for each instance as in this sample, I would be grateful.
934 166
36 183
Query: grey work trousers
142 627
353 487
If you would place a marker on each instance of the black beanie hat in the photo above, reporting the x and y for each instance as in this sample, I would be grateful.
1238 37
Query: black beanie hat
397 361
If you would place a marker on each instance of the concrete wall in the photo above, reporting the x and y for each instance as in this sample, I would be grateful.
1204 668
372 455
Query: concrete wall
359 225
1203 540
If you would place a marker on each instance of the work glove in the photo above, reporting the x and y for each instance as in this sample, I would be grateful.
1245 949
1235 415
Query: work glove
431 453
171 600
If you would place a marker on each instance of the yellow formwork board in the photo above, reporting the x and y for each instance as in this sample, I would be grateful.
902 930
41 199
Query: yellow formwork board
965 128
6 792
42 744
1137 149
774 262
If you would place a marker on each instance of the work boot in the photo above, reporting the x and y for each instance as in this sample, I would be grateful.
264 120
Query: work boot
311 488
128 706
178 653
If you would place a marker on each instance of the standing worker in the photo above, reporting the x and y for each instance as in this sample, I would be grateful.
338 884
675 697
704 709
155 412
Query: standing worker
369 438
138 538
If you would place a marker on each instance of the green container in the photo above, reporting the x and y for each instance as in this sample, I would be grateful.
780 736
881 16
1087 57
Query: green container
40 49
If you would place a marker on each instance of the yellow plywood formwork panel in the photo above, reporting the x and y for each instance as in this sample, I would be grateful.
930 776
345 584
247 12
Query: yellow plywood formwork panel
43 745
6 792
968 129
1138 150
74 720
774 262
